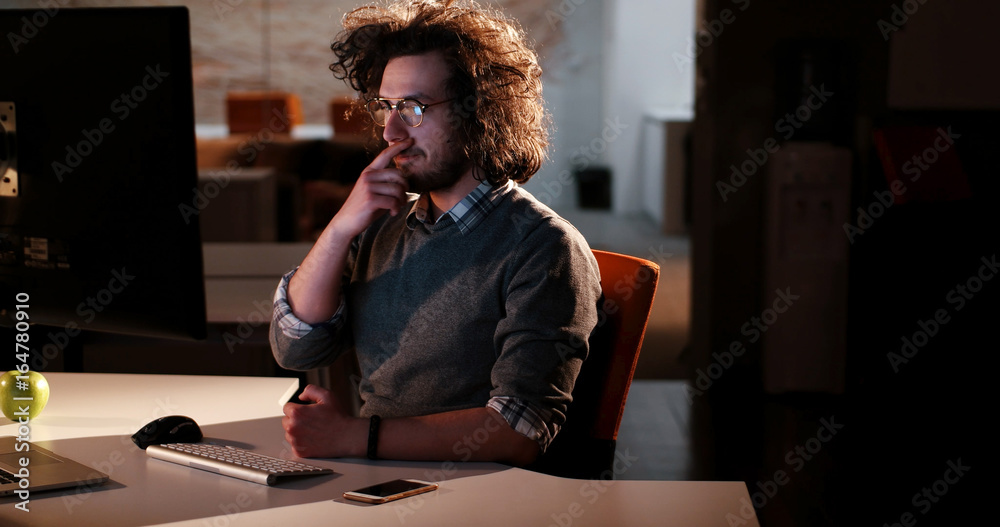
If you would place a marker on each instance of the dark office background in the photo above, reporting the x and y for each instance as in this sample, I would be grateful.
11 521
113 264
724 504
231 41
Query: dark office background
900 428
905 425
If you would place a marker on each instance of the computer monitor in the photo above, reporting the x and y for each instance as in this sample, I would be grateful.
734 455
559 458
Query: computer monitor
99 208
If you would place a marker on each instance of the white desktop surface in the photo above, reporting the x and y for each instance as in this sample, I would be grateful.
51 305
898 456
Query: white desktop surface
517 497
90 417
106 404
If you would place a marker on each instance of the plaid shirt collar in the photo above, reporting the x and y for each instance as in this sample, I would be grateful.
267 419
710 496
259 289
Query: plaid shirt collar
467 213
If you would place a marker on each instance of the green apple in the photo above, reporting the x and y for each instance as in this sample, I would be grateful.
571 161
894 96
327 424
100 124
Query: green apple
12 392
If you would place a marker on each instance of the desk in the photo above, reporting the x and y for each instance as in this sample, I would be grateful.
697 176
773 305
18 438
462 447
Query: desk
88 421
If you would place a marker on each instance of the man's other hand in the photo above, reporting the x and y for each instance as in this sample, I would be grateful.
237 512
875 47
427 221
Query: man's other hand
322 427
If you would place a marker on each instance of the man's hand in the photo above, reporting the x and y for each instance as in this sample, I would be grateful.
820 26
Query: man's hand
379 188
314 291
323 428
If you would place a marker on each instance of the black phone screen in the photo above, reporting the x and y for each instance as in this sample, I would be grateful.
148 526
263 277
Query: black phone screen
390 488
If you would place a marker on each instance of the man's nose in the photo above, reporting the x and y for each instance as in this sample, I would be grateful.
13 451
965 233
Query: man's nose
395 129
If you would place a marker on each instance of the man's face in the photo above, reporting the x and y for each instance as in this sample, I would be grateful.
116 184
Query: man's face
435 161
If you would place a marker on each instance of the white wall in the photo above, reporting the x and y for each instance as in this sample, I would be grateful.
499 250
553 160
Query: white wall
573 86
647 72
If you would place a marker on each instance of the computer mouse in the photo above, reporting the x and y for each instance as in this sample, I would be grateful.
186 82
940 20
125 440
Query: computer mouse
168 429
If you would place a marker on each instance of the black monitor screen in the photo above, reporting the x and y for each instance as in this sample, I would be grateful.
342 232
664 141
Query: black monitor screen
98 168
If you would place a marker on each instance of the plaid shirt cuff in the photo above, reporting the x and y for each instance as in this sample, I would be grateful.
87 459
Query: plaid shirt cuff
528 419
290 324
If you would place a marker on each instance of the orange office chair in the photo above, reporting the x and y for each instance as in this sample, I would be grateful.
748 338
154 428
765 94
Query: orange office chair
585 447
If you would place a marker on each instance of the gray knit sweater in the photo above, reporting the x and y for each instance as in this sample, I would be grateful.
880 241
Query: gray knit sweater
443 320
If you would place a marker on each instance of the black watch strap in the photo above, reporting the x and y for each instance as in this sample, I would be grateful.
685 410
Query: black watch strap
373 426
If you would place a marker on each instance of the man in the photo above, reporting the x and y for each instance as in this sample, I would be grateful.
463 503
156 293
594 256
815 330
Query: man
469 303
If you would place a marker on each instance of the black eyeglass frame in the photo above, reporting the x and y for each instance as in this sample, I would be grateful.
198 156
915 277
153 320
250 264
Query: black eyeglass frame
390 107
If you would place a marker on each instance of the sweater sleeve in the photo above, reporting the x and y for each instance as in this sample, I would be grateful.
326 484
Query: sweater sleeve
297 345
551 309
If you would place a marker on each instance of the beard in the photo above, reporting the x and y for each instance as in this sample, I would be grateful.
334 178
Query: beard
441 174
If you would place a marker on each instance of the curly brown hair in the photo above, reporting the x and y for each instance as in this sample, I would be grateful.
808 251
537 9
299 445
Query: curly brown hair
495 76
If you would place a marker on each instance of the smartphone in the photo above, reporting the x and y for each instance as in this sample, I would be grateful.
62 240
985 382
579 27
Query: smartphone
390 490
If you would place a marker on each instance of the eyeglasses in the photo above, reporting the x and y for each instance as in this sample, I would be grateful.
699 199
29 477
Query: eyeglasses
410 111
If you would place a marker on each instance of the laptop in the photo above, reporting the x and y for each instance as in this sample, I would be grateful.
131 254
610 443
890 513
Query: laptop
46 470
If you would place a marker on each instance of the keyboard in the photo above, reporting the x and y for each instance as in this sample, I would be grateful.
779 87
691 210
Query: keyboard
232 461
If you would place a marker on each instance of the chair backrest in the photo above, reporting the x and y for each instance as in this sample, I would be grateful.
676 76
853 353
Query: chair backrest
585 447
